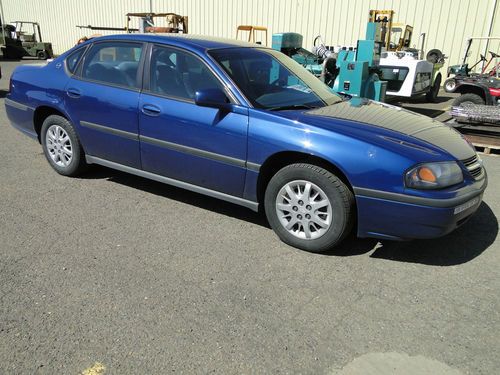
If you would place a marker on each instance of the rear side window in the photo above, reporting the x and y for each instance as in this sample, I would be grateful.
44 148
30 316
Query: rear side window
115 63
179 74
73 59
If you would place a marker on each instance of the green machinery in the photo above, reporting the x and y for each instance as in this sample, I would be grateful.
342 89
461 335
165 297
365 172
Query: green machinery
24 38
350 72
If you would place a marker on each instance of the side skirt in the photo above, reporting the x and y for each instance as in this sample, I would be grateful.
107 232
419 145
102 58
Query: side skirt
170 181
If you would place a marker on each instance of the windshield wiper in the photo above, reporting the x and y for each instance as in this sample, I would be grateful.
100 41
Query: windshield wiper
292 106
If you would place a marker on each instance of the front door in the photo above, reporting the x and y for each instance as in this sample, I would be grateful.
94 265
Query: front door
183 141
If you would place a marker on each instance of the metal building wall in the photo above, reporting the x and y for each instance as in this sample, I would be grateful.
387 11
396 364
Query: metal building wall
341 22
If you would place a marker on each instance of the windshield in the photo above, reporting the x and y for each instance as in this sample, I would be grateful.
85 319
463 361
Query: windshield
271 80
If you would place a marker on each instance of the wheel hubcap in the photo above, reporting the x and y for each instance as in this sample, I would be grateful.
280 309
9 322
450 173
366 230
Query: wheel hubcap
59 145
304 209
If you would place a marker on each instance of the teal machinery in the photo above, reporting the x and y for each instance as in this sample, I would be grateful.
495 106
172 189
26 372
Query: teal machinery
358 70
349 72
291 45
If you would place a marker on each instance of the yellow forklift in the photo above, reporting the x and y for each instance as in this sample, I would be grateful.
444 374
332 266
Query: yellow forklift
395 36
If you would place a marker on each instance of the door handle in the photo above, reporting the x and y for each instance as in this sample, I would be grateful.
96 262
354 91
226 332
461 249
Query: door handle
150 110
73 93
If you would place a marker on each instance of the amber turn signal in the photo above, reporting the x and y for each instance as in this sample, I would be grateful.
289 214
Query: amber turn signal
426 174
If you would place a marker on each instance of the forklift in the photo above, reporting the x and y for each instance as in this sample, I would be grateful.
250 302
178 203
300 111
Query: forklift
404 68
24 38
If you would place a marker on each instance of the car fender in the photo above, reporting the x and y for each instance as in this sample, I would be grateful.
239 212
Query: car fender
359 160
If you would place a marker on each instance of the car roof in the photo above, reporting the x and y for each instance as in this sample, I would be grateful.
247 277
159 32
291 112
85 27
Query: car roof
199 42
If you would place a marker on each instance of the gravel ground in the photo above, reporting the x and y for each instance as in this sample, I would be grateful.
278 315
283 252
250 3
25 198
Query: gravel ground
144 278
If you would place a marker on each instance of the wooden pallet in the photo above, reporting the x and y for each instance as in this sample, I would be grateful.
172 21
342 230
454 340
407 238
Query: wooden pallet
487 149
485 144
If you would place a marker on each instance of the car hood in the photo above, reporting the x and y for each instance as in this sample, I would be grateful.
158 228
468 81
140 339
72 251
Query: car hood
372 113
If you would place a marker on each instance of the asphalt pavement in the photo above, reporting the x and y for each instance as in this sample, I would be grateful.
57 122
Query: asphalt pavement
114 274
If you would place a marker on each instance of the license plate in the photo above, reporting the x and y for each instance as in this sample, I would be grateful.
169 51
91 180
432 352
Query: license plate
467 205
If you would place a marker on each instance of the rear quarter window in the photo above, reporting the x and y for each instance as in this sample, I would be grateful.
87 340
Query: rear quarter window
73 59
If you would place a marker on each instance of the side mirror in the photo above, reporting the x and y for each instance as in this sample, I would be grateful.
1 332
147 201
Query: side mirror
214 98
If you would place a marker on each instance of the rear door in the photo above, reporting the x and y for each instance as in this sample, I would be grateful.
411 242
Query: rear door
180 140
102 100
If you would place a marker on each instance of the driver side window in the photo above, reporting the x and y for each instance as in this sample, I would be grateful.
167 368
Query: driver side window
179 74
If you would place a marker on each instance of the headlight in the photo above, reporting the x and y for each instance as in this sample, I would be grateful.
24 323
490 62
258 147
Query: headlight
434 175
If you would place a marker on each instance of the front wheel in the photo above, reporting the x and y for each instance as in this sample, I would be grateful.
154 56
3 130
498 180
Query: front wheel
309 207
42 55
450 85
62 147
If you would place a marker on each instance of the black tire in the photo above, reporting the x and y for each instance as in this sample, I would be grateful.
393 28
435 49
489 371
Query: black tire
450 85
77 164
432 95
339 196
468 98
42 55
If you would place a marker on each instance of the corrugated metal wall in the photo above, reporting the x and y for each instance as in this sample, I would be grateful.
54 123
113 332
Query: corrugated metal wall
341 22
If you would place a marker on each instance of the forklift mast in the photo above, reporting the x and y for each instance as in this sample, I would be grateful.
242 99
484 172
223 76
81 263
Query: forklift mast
389 28
37 34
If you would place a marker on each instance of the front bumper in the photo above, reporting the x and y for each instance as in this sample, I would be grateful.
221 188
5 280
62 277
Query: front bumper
415 218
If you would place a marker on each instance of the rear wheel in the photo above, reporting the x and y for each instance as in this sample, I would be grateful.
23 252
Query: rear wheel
309 207
468 98
62 147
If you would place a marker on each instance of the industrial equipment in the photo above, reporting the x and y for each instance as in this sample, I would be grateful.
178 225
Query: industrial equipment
24 38
394 36
291 45
252 36
403 67
359 73
175 24
31 38
349 72
459 71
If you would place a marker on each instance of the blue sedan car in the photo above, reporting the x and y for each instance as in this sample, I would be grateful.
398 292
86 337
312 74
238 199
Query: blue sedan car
248 125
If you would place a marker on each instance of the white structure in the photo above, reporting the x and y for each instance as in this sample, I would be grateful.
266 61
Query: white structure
340 22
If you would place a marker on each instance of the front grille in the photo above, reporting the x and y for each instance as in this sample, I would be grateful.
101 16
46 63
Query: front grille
475 167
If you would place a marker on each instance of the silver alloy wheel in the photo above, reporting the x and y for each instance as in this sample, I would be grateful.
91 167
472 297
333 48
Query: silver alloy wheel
304 209
59 145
